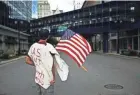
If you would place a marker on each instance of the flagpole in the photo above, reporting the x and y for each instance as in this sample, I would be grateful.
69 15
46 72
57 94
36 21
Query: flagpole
84 68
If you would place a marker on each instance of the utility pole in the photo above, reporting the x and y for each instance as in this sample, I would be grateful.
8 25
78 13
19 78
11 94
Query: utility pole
74 4
18 40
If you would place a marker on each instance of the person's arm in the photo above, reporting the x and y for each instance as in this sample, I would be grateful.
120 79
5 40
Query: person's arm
29 61
53 71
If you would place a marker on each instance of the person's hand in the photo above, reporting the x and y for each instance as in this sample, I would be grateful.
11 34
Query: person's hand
29 61
52 82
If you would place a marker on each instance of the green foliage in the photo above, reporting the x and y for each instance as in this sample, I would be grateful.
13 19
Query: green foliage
0 41
129 52
5 56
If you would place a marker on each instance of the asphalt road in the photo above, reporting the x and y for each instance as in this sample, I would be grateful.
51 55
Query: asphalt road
17 78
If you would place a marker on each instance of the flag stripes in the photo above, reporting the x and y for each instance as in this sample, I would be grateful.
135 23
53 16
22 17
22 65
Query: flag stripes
75 46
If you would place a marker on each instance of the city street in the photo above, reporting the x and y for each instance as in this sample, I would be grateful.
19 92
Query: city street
17 78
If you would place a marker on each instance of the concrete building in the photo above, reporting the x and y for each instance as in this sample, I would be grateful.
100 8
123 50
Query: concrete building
9 40
89 3
20 9
116 23
126 38
43 8
15 22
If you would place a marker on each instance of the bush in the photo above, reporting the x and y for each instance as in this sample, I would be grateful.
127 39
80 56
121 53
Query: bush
129 52
5 56
1 53
138 54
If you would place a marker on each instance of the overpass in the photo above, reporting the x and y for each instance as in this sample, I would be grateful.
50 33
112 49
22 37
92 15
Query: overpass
114 16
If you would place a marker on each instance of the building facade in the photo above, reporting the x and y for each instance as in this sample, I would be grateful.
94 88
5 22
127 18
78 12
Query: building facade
110 20
43 8
10 18
88 3
10 29
20 9
9 40
4 13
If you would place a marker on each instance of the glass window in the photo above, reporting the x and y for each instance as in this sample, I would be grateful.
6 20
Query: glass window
124 43
90 13
135 43
110 19
132 20
132 8
110 9
90 21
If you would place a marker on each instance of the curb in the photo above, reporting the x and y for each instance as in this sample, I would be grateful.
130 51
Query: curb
118 55
7 61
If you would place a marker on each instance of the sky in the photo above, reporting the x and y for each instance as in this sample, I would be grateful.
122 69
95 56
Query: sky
65 5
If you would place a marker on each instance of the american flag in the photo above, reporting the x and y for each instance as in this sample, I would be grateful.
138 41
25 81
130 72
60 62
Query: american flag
76 46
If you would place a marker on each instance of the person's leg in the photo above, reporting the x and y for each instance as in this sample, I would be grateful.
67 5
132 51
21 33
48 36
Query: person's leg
49 91
39 89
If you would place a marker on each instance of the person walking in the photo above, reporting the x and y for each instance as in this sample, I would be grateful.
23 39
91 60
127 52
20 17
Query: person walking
40 55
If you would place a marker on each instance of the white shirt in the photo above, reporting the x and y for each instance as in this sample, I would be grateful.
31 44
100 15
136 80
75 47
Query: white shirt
40 54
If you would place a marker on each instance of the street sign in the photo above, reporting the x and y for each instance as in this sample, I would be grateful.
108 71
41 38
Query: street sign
61 28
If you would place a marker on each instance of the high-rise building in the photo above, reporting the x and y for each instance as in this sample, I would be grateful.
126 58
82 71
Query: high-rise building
20 9
43 8
34 9
4 13
77 4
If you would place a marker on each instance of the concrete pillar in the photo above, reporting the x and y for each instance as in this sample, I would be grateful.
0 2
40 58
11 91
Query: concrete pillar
16 46
92 39
105 42
95 43
118 42
132 43
138 40
101 44
3 44
127 42
91 42
110 45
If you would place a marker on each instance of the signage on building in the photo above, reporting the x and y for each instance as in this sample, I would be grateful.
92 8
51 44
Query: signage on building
61 28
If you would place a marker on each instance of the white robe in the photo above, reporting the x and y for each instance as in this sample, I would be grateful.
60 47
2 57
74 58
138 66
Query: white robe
40 54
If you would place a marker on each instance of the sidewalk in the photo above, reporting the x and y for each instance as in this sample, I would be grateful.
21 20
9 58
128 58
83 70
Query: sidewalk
117 55
11 60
